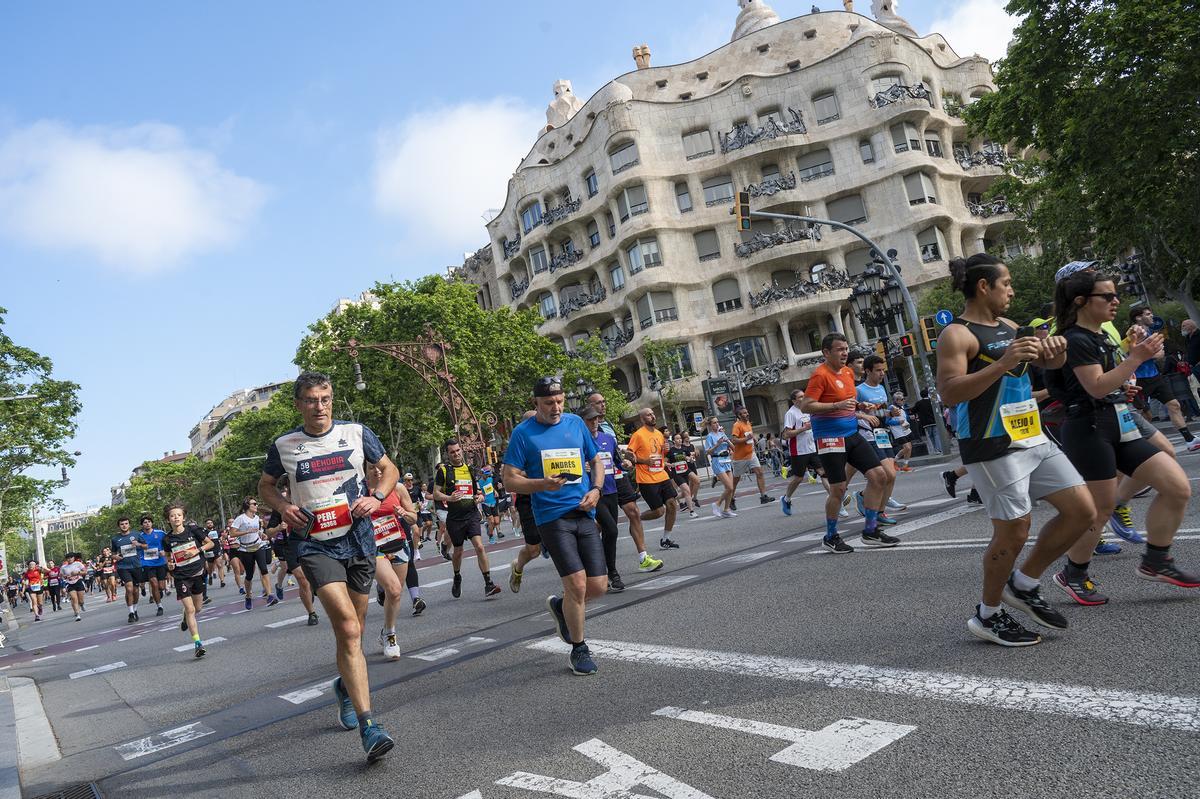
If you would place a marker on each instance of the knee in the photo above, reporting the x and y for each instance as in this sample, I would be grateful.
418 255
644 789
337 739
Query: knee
348 633
1175 488
596 586
575 586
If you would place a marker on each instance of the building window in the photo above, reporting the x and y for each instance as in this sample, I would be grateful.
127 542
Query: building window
1013 249
782 278
885 82
567 246
770 171
933 146
623 157
612 226
752 348
632 201
718 190
593 233
674 364
919 188
642 254
815 165
546 305
531 217
727 295
905 138
616 275
771 113
826 107
930 245
592 182
708 247
866 151
683 197
697 144
538 259
656 306
847 210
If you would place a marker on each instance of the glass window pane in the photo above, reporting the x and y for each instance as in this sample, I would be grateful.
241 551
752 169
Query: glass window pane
624 157
683 197
826 107
847 210
707 245
617 275
718 190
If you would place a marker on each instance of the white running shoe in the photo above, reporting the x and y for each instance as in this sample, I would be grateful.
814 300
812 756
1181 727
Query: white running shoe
843 513
720 514
391 649
729 514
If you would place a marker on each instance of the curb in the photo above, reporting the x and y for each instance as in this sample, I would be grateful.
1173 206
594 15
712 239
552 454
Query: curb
10 774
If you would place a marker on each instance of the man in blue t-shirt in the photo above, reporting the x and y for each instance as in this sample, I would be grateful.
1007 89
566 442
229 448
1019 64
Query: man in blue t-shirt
553 458
129 564
491 504
153 561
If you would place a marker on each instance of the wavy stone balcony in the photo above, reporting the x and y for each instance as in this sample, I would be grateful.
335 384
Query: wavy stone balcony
829 280
969 160
560 212
899 93
565 259
581 301
743 135
989 208
765 241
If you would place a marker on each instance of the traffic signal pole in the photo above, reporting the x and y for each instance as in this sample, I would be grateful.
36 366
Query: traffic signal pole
910 307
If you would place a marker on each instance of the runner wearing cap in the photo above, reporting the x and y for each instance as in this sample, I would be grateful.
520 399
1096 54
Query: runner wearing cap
606 509
554 458
648 449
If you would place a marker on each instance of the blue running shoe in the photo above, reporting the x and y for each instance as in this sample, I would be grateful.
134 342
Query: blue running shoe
581 661
376 742
279 592
1108 548
555 605
545 552
346 715
786 505
249 603
1121 523
862 508
883 520
271 600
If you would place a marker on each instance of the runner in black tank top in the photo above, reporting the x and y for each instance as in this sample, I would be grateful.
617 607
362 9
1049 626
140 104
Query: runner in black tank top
982 369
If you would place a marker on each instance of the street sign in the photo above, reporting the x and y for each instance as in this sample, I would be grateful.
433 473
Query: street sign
943 317
698 420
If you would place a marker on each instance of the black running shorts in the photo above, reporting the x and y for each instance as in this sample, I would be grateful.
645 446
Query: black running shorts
130 574
356 573
529 527
574 544
858 453
156 572
657 494
1155 388
801 463
1093 445
626 492
260 558
189 586
463 529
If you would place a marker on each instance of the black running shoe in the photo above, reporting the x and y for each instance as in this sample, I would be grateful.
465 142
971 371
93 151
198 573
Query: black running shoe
418 606
879 539
764 499
160 611
313 619
183 626
456 586
445 552
973 497
837 545
1002 629
490 590
666 543
615 584
733 504
131 619
950 481
1033 603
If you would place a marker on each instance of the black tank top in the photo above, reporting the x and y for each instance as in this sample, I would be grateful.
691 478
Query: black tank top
979 429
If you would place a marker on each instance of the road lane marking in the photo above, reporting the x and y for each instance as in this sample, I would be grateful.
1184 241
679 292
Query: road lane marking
302 695
277 624
129 637
666 581
923 522
1147 710
748 557
120 664
39 660
623 775
443 652
209 642
162 740
86 648
237 612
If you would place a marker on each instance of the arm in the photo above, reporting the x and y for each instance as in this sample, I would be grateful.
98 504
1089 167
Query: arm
953 352
590 499
438 494
1099 383
365 506
406 504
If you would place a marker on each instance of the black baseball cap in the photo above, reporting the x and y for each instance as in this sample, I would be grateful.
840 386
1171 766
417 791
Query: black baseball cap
589 413
547 387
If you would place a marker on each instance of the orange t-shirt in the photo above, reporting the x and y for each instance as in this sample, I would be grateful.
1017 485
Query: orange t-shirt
741 451
647 443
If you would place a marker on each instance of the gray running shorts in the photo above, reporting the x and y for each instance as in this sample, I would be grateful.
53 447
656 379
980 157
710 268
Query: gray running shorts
1010 484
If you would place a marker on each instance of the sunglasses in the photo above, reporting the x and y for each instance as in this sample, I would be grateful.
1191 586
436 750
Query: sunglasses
1109 296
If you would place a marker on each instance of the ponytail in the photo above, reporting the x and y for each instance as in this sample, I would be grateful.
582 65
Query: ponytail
965 273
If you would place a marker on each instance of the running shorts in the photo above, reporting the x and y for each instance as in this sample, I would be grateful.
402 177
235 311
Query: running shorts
855 451
424 517
574 544
657 494
463 529
189 586
130 574
1010 484
156 572
492 510
321 570
77 586
260 558
1093 444
626 493
740 468
1155 388
290 556
802 463
679 478
279 548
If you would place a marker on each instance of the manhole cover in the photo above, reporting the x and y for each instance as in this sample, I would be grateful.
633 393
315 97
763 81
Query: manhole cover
84 790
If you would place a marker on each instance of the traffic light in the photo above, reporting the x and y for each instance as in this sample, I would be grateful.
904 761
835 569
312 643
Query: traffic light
907 345
929 333
741 209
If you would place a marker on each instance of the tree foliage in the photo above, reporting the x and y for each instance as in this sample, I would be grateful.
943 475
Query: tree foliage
1104 91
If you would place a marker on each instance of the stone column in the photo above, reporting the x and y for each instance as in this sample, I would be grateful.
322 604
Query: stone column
786 333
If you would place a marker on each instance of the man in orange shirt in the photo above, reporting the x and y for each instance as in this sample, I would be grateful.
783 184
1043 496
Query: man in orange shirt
744 457
648 449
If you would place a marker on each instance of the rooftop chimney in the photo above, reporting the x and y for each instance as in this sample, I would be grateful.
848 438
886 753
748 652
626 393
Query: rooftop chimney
641 56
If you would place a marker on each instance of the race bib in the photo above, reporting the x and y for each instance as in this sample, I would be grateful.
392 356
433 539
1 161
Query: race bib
882 439
488 490
559 461
463 489
387 529
150 554
1129 428
52 581
128 550
1022 423
184 554
332 518
607 459
656 463
831 445
680 468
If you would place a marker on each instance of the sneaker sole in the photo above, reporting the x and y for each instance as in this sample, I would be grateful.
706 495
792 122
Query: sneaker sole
582 673
646 570
835 551
1011 600
874 542
982 634
380 749
1087 603
1158 578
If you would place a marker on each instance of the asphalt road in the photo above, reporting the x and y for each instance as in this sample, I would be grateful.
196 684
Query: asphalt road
753 665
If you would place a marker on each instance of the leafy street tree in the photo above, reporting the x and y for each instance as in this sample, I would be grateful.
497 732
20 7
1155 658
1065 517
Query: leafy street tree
1104 92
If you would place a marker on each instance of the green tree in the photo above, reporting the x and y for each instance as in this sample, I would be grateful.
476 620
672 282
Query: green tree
1104 92
664 360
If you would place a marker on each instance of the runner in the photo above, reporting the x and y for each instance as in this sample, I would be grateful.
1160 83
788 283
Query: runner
797 432
1101 438
553 458
290 559
184 546
439 510
503 502
830 400
108 576
529 531
457 486
129 565
491 503
35 577
902 443
718 447
253 550
213 563
154 565
606 508
12 587
53 586
89 575
424 508
648 449
982 369
950 480
325 461
73 573
744 457
681 459
1150 380
878 422
392 524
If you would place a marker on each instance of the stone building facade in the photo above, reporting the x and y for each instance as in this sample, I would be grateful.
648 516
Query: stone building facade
617 223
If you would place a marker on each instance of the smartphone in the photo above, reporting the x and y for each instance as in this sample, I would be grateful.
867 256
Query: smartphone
570 478
1025 331
310 519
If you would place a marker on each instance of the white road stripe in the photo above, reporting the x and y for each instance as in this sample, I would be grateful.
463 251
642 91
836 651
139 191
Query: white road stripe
129 637
927 521
237 612
209 642
666 581
965 544
1160 711
39 660
302 695
277 624
748 557
86 648
120 664
163 740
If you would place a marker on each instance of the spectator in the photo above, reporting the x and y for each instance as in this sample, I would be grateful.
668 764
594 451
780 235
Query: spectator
925 418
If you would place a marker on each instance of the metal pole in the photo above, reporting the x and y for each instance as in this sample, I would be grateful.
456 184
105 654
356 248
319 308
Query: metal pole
221 500
37 535
909 305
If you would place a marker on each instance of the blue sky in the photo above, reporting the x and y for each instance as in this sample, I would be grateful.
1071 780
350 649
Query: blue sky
184 187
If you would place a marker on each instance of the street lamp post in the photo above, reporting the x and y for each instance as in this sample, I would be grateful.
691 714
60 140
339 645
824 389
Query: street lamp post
735 360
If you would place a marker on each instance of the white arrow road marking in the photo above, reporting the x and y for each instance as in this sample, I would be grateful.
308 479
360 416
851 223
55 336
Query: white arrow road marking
1161 711
120 664
209 642
624 774
304 694
748 557
163 740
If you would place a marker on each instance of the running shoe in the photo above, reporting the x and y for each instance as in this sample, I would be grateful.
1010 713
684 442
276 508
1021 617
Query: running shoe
279 592
560 621
1167 572
950 481
391 649
615 584
650 564
183 625
1002 629
860 504
200 651
545 553
130 620
1107 548
490 589
733 504
973 497
785 505
249 603
728 515
1033 603
375 741
418 606
271 600
207 601
693 513
160 611
1193 445
135 616
885 520
843 513
499 534
846 499
491 539
1121 524
78 617
456 586
1144 492
514 578
346 715
222 583
581 661
313 619
37 617
1082 590
879 539
666 543
764 499
716 509
892 504
445 552
905 468
241 590
836 545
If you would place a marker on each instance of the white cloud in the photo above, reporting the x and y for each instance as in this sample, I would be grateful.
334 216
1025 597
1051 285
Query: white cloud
977 26
138 198
440 170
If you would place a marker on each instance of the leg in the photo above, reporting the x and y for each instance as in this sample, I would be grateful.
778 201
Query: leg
393 592
1076 513
1008 538
762 482
727 490
1104 499
347 611
480 555
302 583
191 608
672 509
608 531
1170 503
636 532
879 481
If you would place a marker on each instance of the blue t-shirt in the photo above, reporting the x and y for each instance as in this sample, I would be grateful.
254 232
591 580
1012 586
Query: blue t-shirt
488 487
153 555
1147 369
711 440
123 546
565 447
608 453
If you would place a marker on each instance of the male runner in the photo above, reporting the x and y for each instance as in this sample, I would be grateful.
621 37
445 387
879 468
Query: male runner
212 555
491 503
185 545
456 485
154 565
553 458
53 586
879 423
325 462
744 457
1150 380
129 566
797 431
648 449
983 370
606 508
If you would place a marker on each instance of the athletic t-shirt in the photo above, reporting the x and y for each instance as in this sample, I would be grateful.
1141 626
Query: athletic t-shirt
124 549
541 450
249 532
1083 348
607 445
719 441
488 486
327 474
802 443
826 385
152 555
72 572
389 529
741 450
33 577
186 550
877 395
462 485
647 443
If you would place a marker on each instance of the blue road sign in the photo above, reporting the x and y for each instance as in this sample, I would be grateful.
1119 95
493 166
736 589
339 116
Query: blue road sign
943 317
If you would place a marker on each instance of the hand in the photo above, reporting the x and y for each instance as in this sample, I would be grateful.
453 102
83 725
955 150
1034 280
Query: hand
1131 391
590 499
479 499
1052 347
1021 351
846 405
1147 348
551 483
292 515
364 506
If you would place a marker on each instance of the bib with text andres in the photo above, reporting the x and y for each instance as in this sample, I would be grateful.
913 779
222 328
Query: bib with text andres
559 461
1023 423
